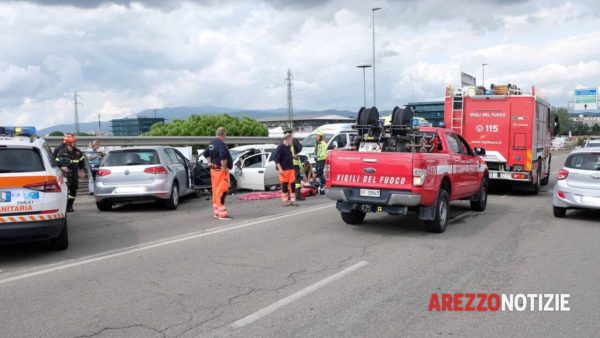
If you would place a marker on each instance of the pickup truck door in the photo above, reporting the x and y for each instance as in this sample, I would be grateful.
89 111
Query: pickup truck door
253 172
471 172
459 161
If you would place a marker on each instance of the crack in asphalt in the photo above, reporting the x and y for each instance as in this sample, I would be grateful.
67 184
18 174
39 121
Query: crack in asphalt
119 328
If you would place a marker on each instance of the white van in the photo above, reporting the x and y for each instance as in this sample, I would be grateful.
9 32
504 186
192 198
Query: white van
337 135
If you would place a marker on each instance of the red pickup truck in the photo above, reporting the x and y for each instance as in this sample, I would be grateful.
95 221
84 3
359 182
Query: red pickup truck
421 170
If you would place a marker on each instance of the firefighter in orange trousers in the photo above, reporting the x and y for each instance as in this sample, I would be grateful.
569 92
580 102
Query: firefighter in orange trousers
284 161
221 162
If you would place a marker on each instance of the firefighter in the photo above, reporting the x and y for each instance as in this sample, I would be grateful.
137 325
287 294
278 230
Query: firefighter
284 161
321 154
296 148
221 162
71 162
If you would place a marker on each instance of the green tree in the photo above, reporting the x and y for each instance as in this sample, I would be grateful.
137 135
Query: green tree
564 118
56 133
206 125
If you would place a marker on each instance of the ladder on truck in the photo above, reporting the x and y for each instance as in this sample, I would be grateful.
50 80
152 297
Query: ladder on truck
458 112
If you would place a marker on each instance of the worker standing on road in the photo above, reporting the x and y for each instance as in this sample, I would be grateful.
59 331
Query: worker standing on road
296 148
221 162
285 166
71 162
321 154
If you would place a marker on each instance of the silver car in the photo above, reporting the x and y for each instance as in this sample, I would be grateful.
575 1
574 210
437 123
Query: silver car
143 174
578 185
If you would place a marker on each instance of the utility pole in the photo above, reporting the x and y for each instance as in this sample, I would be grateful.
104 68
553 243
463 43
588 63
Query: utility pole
99 125
364 67
483 73
290 102
374 95
76 103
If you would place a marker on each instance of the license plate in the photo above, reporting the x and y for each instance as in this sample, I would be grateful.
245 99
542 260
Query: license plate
591 200
370 193
5 196
129 190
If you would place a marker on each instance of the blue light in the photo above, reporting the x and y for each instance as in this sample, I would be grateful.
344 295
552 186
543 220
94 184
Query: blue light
18 131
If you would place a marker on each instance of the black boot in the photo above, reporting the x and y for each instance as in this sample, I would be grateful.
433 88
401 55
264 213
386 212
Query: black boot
70 202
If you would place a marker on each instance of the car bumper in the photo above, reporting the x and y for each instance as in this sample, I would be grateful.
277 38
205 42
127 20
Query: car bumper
575 197
387 198
161 190
30 231
509 176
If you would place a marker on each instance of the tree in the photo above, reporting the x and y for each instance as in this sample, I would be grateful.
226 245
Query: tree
564 118
206 125
56 133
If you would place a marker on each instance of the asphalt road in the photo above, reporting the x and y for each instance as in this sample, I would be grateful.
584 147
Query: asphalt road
140 271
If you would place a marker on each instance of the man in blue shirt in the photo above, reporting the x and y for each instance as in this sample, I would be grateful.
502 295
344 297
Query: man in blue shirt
221 162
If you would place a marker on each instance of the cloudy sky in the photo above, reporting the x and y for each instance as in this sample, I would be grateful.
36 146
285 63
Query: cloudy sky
124 56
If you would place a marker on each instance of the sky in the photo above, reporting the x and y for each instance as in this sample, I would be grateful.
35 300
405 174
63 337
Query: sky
124 56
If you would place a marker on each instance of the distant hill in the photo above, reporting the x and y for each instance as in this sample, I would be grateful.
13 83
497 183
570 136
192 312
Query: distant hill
85 127
171 113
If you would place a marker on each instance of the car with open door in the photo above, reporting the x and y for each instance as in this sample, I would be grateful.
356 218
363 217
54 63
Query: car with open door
154 173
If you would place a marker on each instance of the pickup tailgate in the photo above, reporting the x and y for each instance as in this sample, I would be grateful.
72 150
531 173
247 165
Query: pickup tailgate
370 170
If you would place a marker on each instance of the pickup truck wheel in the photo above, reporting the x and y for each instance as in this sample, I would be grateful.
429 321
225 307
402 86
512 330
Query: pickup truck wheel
481 202
559 212
353 217
442 208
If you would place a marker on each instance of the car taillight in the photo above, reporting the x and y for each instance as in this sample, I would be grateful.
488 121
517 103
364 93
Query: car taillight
562 174
158 170
47 186
419 176
103 172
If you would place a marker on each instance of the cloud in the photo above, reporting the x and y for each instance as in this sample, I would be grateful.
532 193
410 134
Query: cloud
127 56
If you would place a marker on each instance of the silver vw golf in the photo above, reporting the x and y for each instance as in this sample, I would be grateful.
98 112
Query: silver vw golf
143 173
578 185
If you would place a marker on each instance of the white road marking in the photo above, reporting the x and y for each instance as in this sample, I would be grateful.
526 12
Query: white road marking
19 275
295 296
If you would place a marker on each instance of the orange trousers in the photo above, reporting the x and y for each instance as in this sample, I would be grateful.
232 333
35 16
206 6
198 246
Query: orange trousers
219 180
288 185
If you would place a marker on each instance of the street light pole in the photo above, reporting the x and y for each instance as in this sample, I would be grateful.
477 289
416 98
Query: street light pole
374 95
483 73
364 68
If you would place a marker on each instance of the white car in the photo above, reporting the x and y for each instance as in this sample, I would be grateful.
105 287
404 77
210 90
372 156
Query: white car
578 182
336 135
591 143
33 191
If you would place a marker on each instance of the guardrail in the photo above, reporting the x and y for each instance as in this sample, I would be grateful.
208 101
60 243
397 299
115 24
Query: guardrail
126 141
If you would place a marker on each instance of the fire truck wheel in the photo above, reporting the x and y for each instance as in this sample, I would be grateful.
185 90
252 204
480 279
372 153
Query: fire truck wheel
546 179
442 208
535 187
353 217
480 203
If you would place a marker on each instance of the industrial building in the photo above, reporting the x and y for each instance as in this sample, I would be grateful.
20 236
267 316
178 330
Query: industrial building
432 111
133 126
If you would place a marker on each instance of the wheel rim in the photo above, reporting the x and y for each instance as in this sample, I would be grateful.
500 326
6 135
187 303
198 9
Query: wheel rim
175 196
443 212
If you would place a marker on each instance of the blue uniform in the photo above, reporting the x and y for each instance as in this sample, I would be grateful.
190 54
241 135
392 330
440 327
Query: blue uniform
217 151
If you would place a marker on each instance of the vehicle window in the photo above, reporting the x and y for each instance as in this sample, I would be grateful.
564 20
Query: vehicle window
311 140
179 156
20 160
254 161
172 156
464 146
270 153
589 161
341 140
49 155
453 143
130 157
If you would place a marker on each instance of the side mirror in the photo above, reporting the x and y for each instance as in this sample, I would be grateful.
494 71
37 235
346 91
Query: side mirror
479 151
333 145
556 126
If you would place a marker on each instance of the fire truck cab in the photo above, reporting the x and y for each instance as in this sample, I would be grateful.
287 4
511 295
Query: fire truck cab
514 128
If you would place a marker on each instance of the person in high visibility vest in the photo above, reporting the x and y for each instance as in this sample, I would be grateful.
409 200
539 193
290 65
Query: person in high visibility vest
321 154
71 162
296 148
221 162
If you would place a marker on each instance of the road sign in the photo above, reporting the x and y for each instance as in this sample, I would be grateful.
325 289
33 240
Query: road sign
585 99
467 80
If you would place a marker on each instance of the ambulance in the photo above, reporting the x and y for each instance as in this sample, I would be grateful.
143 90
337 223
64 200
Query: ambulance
33 191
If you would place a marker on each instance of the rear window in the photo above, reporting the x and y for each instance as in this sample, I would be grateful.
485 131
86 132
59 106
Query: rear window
590 161
130 157
20 160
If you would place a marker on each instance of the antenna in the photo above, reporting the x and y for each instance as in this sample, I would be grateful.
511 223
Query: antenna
290 86
76 103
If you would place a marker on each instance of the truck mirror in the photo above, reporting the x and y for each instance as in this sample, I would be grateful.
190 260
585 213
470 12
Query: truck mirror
479 151
333 145
556 126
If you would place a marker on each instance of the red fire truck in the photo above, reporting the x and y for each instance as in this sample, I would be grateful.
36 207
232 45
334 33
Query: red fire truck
514 128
